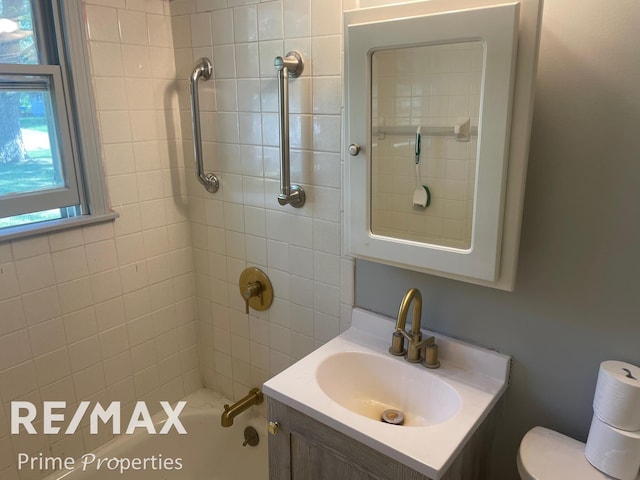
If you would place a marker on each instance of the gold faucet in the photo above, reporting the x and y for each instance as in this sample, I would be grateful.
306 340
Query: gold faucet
418 350
255 397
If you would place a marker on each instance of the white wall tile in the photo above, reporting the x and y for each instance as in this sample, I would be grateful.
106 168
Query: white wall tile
70 264
110 93
327 299
14 349
327 95
133 27
326 203
250 128
162 65
106 59
256 250
224 57
5 252
80 325
84 353
12 315
326 55
35 273
75 295
245 24
136 61
117 159
101 256
326 133
8 281
181 29
301 261
234 217
29 247
302 291
255 221
326 236
102 23
301 345
160 31
326 17
270 21
278 255
46 336
208 5
106 285
115 126
18 382
201 30
297 18
151 6
222 27
325 327
226 95
327 268
41 305
52 366
89 381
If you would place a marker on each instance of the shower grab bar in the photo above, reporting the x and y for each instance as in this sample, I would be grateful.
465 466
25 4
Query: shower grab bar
290 66
204 70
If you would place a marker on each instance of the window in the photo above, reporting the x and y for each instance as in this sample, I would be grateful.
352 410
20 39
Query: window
49 153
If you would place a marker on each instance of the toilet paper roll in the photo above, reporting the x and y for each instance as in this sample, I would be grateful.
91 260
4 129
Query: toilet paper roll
617 396
613 451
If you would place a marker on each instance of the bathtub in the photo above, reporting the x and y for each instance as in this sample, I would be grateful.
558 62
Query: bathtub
207 452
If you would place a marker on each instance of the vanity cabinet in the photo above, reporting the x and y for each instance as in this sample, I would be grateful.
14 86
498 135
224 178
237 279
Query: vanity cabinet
305 449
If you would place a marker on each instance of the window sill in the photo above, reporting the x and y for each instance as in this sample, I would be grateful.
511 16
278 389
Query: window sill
23 231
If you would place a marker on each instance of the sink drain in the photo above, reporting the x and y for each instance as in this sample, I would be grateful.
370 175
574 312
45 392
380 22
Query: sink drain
393 417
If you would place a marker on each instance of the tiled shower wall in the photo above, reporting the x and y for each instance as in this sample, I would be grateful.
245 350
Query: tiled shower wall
94 313
107 312
243 225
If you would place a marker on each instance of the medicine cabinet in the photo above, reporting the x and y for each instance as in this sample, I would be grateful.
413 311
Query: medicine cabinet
447 85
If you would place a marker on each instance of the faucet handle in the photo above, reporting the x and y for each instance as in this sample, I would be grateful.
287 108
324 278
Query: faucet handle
254 289
255 284
397 343
431 356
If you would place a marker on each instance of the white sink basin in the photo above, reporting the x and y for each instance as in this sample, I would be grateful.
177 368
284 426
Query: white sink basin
368 384
348 382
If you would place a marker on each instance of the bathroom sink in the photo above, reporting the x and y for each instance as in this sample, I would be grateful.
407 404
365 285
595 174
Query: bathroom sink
348 382
369 384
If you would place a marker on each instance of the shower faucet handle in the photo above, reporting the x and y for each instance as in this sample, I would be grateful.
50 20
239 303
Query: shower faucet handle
255 289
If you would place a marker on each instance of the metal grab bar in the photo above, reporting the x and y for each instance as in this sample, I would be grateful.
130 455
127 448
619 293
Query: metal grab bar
290 66
203 69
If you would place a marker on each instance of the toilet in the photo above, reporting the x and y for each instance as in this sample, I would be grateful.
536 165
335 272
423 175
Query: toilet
548 455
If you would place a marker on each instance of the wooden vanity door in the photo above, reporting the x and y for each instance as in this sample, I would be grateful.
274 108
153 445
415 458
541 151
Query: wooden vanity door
305 449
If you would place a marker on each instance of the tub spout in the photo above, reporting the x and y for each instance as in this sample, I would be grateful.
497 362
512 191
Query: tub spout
255 397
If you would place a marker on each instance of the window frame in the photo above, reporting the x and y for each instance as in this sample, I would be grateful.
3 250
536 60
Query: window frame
78 132
34 77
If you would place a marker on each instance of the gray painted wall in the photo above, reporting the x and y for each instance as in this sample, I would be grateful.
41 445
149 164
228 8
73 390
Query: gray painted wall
577 296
